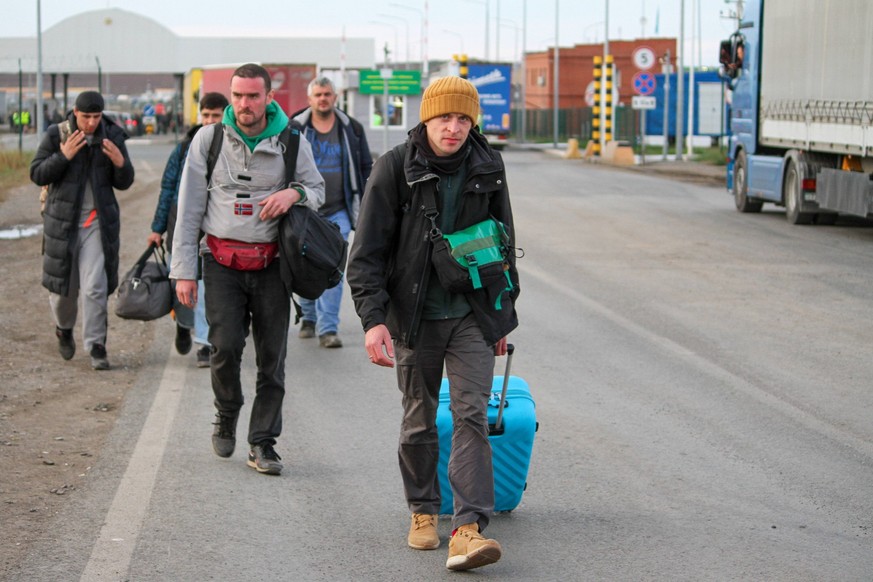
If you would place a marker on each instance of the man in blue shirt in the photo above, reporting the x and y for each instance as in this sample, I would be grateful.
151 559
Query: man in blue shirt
342 155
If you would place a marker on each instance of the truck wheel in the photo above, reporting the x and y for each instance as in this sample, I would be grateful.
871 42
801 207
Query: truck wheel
792 195
741 186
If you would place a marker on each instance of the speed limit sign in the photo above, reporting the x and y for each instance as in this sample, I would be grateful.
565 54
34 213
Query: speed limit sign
644 58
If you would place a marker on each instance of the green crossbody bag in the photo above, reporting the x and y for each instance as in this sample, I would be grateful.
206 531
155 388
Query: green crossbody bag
470 259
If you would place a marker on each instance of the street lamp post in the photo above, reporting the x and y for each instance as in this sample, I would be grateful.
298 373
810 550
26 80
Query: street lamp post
557 80
40 121
458 35
381 23
487 4
406 24
524 72
497 35
515 27
680 86
425 66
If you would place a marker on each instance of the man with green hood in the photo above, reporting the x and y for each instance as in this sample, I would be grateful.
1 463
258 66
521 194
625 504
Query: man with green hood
238 210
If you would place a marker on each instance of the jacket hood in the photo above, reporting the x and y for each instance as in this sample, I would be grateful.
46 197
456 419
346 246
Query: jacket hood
276 122
304 115
481 156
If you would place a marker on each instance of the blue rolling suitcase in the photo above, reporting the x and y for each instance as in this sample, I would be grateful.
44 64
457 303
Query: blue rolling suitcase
512 422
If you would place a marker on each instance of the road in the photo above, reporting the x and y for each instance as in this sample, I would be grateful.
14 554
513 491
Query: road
702 381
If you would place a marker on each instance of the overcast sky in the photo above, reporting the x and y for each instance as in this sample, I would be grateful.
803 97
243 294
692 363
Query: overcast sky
453 24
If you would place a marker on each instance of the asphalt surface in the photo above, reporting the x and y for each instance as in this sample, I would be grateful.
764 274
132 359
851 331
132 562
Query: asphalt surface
702 390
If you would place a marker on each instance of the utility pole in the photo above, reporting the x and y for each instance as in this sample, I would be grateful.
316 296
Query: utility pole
386 76
40 116
667 69
557 84
680 85
524 72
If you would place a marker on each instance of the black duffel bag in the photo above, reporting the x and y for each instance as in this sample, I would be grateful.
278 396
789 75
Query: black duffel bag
144 292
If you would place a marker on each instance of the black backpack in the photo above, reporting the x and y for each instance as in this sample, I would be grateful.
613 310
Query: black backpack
312 250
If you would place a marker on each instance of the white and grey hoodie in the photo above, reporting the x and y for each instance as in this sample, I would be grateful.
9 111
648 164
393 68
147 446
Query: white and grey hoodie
228 206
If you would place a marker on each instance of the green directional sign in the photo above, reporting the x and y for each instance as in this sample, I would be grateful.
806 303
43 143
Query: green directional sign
400 83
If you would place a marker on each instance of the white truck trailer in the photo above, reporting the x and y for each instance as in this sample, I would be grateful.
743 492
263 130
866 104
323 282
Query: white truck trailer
801 121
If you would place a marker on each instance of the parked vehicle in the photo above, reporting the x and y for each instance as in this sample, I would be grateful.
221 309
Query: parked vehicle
494 83
124 120
802 108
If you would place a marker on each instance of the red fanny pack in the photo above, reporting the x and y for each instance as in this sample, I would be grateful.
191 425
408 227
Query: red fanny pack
242 256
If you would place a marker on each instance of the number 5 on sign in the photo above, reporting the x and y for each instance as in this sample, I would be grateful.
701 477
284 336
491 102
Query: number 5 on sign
644 58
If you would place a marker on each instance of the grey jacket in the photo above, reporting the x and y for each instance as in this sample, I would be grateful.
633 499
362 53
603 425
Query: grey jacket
228 206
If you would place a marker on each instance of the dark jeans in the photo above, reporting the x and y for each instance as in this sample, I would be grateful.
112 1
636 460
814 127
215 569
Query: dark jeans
235 300
469 363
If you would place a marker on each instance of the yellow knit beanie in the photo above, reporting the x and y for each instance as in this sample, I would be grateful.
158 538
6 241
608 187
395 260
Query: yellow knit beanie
450 95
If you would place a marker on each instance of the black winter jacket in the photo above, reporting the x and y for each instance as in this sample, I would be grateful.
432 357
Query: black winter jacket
389 263
66 180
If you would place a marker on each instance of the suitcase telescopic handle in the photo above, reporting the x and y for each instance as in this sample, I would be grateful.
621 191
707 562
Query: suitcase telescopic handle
510 348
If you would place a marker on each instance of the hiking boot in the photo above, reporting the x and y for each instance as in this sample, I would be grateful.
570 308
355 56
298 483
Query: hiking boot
98 357
66 343
183 339
203 356
423 532
468 549
264 459
224 435
307 330
330 340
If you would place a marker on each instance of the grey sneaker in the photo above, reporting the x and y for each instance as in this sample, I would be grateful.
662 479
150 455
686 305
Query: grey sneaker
224 435
330 340
98 357
307 329
66 343
264 459
203 355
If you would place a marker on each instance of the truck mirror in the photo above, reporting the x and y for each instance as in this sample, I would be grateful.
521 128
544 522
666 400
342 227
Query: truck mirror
731 53
724 55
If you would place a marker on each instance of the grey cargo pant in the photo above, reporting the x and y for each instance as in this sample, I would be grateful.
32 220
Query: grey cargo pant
88 277
469 363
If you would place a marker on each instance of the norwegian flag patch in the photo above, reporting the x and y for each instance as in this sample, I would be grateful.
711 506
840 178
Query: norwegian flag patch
243 208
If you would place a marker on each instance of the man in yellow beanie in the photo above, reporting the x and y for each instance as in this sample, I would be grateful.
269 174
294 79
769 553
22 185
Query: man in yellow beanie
445 175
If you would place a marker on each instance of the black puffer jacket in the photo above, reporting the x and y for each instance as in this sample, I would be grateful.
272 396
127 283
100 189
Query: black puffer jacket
66 180
389 264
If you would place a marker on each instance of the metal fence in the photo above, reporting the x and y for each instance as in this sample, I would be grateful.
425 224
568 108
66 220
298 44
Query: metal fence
572 123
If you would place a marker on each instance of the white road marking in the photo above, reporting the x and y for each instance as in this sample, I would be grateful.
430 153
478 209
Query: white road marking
111 556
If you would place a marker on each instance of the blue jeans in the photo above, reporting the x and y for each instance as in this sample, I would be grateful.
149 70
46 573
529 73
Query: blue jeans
236 300
201 326
324 311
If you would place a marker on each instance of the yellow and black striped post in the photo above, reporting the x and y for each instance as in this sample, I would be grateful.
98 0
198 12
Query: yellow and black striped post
607 104
463 70
595 110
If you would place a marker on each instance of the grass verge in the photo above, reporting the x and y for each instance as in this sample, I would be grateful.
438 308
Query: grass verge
14 170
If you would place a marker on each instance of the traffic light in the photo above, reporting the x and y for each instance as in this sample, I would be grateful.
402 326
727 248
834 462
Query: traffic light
463 70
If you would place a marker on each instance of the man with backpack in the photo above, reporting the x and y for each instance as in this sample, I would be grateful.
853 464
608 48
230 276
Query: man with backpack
236 198
212 107
406 311
342 155
82 223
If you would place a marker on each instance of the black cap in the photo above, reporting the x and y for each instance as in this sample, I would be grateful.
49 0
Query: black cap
89 102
